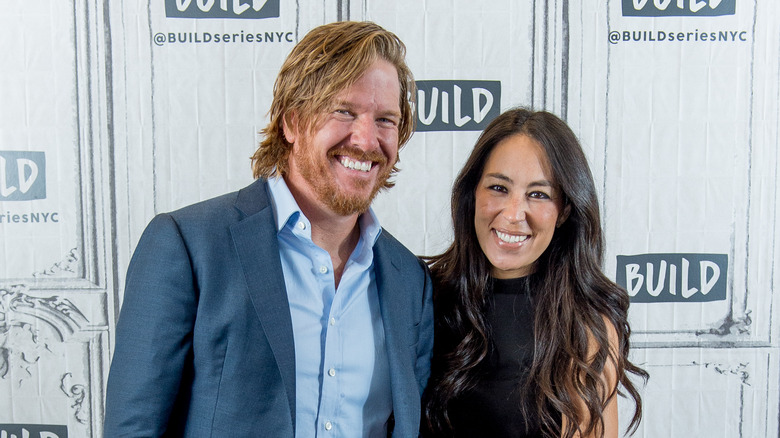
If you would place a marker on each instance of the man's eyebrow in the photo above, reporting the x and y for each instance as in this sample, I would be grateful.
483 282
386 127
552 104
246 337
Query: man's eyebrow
342 104
391 113
350 106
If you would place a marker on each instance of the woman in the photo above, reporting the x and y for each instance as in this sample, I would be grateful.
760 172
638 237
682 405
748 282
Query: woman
532 338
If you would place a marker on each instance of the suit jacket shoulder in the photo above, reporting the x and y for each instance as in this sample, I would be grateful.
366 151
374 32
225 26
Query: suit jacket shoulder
228 208
202 348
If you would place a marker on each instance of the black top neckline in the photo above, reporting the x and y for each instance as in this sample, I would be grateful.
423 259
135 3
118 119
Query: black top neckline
510 285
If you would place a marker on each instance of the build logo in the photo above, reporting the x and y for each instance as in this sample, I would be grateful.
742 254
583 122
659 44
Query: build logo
222 8
678 8
22 175
670 278
33 431
456 105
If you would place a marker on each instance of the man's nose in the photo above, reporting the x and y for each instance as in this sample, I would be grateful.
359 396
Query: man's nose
365 134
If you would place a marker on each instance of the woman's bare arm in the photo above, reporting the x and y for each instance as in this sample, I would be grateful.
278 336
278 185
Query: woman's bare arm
609 377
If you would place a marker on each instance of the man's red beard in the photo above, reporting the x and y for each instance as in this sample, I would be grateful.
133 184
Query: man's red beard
319 177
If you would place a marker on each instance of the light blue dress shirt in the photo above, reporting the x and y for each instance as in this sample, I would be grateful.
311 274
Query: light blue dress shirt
342 377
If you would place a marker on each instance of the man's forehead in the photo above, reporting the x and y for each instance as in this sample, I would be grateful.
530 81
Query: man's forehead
353 96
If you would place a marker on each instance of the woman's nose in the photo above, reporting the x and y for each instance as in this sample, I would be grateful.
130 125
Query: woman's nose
515 209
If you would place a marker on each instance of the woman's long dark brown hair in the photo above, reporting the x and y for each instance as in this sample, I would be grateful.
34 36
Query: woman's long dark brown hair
575 297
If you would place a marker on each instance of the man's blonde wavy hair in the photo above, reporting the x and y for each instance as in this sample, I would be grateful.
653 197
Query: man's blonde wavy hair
327 60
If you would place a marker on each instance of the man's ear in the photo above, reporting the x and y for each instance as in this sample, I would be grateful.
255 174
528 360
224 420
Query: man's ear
290 127
563 216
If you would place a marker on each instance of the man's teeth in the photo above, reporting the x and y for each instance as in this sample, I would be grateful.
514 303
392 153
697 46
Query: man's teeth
363 166
509 238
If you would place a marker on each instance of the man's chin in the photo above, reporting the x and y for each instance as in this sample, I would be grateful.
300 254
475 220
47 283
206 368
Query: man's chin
356 200
344 205
350 197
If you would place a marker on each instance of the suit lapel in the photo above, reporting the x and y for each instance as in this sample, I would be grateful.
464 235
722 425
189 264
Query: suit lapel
390 287
257 246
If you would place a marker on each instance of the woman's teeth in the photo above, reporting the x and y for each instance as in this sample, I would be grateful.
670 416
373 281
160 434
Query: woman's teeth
509 238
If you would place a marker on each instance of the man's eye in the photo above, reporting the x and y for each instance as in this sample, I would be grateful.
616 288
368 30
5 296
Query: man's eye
385 120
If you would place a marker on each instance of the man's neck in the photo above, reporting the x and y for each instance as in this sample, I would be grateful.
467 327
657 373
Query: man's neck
338 243
336 234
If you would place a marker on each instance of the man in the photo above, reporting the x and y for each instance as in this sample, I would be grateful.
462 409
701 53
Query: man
283 309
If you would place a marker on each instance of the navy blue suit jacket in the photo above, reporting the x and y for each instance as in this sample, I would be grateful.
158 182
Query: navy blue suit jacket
204 341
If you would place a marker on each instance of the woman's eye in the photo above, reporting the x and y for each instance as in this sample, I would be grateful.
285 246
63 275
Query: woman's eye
539 195
497 188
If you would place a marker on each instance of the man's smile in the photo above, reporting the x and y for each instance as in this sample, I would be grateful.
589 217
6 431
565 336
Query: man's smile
363 166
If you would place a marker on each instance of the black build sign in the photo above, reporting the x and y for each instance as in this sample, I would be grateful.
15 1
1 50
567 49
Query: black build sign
673 278
221 8
448 105
680 8
22 175
33 431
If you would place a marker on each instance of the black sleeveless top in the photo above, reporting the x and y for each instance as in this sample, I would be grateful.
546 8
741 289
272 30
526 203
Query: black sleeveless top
493 407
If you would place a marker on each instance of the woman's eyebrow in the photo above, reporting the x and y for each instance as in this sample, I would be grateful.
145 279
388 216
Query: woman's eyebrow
502 177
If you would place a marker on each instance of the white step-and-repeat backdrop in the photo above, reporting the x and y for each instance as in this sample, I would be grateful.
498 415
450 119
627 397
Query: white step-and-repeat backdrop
111 112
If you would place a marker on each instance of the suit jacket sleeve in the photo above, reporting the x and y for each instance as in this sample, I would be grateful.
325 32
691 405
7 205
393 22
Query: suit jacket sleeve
153 334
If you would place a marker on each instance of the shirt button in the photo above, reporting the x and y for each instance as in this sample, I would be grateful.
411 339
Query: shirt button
332 321
328 426
332 372
323 269
301 225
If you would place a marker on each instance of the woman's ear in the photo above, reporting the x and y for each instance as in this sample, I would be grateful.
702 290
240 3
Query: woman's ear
563 216
290 127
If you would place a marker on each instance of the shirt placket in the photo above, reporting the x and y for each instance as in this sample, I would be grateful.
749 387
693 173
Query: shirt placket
331 394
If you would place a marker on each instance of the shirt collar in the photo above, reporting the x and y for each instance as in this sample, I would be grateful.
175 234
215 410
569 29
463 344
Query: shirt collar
286 210
287 213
